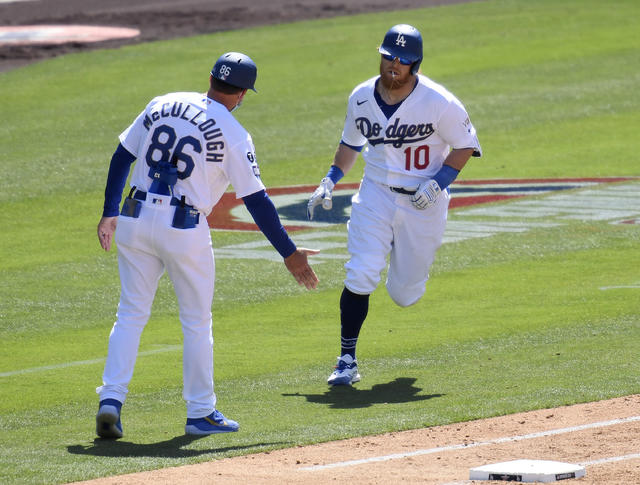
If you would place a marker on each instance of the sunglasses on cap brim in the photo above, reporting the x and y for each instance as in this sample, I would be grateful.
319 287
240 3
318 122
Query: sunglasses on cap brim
402 60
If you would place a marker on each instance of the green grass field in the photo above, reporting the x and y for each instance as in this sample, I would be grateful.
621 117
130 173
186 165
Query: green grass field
511 322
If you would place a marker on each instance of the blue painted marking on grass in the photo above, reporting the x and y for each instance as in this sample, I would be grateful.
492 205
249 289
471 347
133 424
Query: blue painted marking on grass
617 203
339 214
520 188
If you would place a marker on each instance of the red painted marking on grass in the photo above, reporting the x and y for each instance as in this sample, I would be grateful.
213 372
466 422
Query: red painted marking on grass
221 217
479 199
61 34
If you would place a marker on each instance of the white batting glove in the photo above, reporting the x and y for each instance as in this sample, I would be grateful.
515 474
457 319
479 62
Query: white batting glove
322 195
426 195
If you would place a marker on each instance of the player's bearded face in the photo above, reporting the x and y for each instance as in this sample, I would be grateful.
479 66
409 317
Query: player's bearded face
394 75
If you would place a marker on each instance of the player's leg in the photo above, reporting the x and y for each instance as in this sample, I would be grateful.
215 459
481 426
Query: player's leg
353 312
190 264
417 236
369 242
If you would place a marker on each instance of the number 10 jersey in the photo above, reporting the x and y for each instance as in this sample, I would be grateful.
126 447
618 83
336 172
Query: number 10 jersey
412 144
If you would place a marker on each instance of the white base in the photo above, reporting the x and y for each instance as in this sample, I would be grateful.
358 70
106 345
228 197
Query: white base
527 471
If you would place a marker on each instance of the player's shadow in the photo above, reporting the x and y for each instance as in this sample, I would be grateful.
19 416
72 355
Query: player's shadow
400 390
173 448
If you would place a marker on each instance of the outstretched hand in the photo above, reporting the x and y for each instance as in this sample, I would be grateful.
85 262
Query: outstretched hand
298 266
106 229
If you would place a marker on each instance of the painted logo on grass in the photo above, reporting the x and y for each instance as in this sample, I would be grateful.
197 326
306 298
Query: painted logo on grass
230 213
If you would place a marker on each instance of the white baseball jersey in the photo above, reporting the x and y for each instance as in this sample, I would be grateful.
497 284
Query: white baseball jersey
212 148
411 146
401 151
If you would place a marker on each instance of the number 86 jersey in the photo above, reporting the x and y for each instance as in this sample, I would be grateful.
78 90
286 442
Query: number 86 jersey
210 147
412 144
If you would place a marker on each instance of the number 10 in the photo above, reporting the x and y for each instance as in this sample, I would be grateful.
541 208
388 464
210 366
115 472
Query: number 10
420 157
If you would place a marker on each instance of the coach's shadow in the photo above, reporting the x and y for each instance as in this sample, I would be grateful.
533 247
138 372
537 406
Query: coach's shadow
400 390
172 448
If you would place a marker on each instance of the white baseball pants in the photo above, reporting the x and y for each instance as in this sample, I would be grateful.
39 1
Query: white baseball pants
148 245
386 223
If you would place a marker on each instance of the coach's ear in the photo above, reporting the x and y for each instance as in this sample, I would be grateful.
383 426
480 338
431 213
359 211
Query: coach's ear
240 98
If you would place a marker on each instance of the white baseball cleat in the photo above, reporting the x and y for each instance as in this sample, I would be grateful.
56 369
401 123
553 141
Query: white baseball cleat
345 373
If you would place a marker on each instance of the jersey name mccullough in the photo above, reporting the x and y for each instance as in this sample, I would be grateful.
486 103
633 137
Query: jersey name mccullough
187 112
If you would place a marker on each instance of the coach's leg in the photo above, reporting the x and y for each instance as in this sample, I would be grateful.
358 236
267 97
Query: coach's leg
139 275
192 271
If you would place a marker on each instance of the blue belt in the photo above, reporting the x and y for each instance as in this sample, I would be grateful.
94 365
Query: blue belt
142 195
185 217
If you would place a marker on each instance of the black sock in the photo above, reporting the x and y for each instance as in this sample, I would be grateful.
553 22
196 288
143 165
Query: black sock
353 311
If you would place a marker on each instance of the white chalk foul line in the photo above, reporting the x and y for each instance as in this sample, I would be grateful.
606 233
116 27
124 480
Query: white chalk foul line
461 446
610 459
168 348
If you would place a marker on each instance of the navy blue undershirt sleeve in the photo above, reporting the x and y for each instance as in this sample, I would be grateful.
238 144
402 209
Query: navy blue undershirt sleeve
266 217
118 171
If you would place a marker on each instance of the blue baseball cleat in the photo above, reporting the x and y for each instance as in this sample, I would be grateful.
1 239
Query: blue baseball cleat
108 423
214 423
345 373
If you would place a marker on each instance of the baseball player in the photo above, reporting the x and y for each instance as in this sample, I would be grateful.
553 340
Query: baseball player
189 149
416 137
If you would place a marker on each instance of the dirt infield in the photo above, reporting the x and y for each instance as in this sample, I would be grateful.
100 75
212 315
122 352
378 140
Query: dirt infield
602 436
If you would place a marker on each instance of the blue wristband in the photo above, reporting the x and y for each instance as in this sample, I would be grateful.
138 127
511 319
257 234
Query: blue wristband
335 174
445 176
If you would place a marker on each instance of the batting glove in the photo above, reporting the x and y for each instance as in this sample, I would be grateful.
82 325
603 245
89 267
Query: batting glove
426 195
322 195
